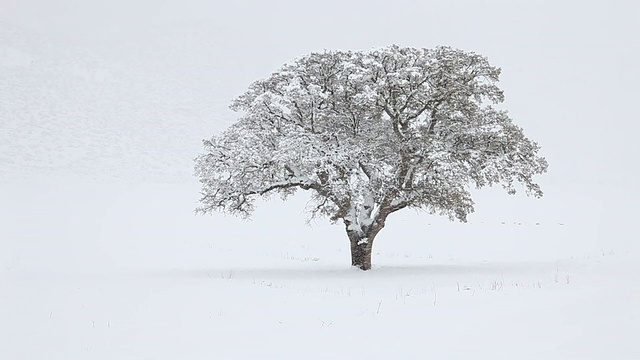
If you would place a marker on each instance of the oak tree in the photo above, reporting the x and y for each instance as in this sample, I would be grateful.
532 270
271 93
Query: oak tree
368 134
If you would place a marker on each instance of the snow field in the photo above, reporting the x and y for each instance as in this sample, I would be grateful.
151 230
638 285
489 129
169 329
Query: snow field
132 273
103 106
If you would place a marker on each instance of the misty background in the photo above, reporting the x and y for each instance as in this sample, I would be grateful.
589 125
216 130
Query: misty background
125 90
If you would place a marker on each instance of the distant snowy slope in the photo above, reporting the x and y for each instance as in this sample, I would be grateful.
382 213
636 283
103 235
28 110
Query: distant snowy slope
68 112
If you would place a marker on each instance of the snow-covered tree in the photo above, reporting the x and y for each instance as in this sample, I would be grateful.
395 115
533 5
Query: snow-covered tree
368 134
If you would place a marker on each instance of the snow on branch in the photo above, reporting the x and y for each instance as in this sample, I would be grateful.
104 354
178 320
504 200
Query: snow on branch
370 133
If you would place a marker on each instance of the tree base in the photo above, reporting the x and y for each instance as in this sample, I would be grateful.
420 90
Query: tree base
361 255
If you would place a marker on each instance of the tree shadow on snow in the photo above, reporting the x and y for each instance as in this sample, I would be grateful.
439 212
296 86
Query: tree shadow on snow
346 272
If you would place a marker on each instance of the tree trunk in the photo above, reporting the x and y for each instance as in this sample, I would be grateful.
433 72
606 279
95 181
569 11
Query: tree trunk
361 251
362 240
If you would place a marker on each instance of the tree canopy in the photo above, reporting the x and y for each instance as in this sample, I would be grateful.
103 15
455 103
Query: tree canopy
369 133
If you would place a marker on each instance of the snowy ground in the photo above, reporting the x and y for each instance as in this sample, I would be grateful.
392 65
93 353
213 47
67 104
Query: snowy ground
126 271
101 256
